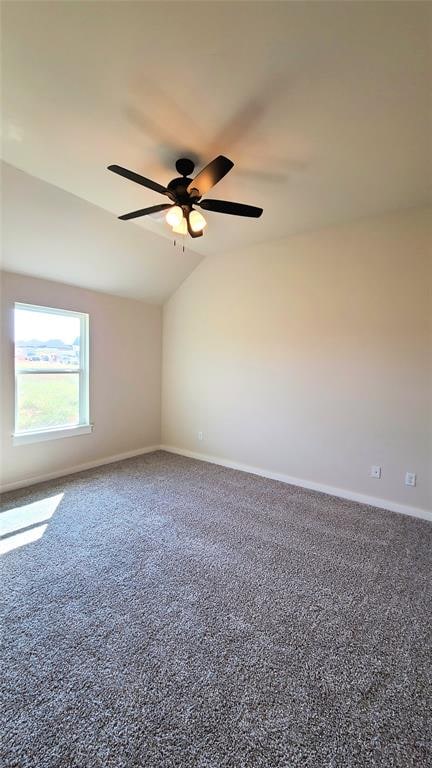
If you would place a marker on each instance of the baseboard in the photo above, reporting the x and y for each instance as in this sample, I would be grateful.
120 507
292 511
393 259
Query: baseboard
371 501
77 468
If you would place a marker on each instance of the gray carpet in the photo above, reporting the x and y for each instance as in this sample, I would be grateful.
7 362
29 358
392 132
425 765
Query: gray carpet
177 614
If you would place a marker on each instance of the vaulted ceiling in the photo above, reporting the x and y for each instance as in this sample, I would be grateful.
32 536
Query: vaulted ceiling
323 107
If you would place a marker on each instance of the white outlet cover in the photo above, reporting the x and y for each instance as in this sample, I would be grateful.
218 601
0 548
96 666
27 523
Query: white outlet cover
200 435
410 478
375 471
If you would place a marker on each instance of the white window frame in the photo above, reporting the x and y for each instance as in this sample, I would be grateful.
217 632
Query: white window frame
52 433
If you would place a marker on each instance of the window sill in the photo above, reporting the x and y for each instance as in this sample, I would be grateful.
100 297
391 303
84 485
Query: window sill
23 438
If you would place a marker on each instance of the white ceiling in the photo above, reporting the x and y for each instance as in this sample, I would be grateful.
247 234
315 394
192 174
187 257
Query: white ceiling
323 107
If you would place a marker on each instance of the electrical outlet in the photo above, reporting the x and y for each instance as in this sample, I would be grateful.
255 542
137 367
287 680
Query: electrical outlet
200 435
410 478
375 471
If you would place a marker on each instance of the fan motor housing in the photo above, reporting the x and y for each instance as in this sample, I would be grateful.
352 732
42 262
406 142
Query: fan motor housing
179 187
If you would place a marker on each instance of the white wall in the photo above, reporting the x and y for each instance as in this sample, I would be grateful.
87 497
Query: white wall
310 357
125 378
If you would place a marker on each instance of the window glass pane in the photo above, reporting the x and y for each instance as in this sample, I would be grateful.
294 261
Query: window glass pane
45 340
47 400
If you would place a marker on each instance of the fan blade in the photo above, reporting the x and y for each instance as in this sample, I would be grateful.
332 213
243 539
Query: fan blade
210 175
145 211
235 209
132 176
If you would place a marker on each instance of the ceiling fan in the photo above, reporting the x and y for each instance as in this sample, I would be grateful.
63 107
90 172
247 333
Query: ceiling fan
185 193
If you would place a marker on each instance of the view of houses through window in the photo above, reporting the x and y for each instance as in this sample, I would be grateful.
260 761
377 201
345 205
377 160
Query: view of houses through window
51 372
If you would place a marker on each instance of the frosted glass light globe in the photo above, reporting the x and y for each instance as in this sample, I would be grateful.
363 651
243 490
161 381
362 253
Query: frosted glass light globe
174 216
181 228
197 221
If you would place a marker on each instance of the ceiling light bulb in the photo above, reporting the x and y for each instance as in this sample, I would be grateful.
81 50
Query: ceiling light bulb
197 221
174 216
181 228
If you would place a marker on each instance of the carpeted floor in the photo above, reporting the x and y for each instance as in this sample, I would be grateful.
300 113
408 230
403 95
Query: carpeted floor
177 614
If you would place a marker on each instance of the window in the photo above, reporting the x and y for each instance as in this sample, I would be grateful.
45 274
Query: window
51 373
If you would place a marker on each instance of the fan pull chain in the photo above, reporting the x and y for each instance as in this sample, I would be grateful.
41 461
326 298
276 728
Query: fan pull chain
183 243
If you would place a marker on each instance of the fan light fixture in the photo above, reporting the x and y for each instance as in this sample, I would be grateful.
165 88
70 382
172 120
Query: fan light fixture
197 221
174 216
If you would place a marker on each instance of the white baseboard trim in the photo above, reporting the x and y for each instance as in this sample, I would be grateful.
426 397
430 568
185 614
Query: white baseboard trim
77 468
372 501
362 498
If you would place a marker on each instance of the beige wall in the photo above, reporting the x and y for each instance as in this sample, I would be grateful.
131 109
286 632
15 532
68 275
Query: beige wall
125 349
310 357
